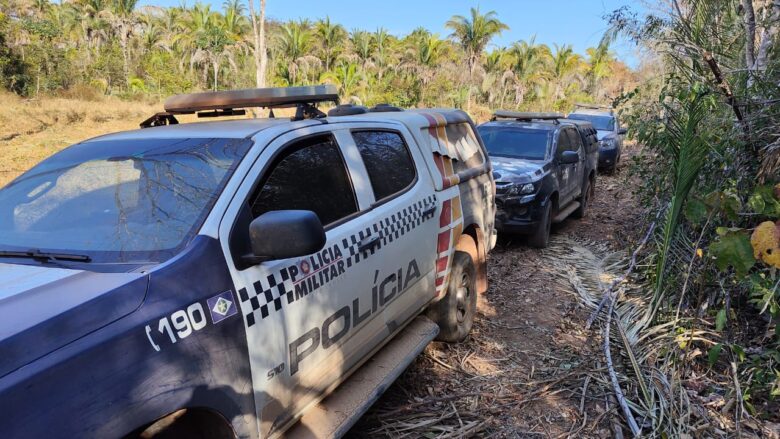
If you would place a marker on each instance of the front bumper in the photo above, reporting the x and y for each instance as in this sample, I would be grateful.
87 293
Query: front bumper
518 214
607 157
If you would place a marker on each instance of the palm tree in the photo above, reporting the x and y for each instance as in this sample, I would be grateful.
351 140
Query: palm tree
530 66
565 67
348 79
362 45
121 16
213 46
427 50
234 21
294 40
473 34
599 60
383 44
331 37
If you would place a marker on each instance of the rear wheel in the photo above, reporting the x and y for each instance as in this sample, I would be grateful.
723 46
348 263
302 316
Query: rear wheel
587 195
540 238
455 312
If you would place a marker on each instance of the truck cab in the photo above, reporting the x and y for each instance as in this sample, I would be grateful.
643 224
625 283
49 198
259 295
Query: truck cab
220 279
544 170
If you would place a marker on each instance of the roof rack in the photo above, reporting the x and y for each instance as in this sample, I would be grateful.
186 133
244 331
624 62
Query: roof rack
526 116
384 108
347 110
594 106
233 103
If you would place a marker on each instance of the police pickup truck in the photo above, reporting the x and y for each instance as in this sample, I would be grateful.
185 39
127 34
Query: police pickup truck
545 170
221 279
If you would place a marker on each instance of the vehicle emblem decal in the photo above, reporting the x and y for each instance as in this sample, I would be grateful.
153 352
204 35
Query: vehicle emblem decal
222 306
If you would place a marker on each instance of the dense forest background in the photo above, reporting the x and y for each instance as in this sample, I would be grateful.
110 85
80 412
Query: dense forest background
113 47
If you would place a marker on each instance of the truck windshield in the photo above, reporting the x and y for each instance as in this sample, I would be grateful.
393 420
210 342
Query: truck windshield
515 142
118 200
601 123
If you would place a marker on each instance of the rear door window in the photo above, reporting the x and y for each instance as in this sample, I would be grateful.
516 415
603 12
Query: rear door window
387 159
309 175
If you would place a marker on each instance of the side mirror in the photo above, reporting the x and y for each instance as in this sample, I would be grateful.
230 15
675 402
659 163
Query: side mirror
283 234
569 157
622 131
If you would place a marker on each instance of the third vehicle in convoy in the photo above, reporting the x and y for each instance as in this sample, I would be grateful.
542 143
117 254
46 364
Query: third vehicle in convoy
545 170
609 131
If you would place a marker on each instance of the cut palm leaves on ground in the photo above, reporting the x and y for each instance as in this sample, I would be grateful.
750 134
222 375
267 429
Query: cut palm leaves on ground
650 397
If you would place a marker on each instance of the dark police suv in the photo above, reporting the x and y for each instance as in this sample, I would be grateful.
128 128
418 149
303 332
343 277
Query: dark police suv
545 170
610 133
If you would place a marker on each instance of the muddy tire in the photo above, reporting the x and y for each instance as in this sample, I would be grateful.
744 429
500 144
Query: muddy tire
455 312
540 238
587 195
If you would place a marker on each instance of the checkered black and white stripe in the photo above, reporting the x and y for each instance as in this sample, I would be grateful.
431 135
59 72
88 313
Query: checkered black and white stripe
277 289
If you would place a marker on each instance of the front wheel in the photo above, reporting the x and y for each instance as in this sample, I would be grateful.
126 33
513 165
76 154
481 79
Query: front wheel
455 312
540 237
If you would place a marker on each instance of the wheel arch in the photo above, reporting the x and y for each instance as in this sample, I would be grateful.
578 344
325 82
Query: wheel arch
192 422
472 241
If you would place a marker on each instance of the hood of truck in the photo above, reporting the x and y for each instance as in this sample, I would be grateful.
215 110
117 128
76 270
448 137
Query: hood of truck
43 308
509 170
604 134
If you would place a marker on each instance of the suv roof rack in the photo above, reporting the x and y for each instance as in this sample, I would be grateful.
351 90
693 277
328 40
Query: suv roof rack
233 102
347 110
594 107
384 108
526 116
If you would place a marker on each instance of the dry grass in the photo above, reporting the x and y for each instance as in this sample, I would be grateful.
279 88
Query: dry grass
33 129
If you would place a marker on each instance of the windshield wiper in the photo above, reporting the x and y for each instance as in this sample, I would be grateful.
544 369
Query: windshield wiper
44 256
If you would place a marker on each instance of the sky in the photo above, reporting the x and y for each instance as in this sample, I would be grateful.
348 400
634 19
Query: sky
576 22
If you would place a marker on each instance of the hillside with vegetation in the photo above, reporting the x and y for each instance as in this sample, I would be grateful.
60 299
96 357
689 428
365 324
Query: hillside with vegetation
115 48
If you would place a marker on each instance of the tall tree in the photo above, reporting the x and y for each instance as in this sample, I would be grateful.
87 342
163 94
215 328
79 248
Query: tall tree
331 37
122 17
474 34
260 50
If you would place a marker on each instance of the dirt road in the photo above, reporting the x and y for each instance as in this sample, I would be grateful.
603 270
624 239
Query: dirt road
528 362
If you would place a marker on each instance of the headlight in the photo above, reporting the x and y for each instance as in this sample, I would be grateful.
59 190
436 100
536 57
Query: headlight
521 189
608 143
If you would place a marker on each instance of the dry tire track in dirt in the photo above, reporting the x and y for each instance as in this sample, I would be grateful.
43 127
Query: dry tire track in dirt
529 368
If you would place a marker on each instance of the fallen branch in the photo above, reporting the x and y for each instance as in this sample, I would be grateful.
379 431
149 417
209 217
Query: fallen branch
613 376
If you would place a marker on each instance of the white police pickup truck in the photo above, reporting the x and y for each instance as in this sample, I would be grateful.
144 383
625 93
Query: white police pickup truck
249 278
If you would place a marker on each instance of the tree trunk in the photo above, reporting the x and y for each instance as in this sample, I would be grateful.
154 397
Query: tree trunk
125 56
216 72
750 34
260 55
768 34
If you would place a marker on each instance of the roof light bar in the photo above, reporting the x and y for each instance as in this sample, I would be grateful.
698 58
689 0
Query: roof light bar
523 115
254 97
594 106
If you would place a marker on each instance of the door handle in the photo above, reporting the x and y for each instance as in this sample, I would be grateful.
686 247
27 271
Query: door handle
368 243
430 211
